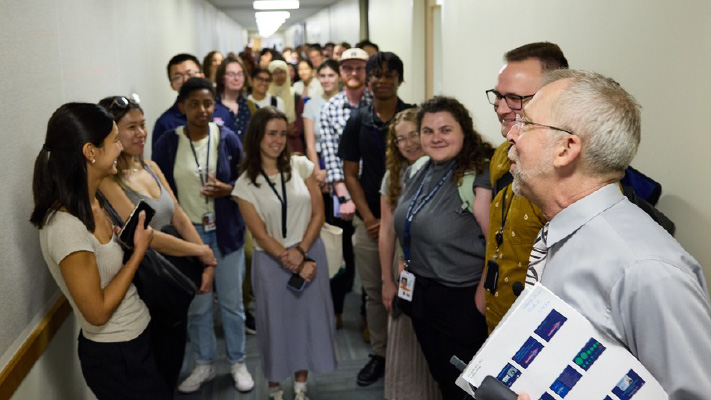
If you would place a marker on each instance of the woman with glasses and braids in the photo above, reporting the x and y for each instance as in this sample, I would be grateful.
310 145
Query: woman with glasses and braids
138 179
407 375
79 244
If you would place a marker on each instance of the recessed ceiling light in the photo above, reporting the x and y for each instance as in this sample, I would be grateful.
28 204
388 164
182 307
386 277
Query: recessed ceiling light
276 4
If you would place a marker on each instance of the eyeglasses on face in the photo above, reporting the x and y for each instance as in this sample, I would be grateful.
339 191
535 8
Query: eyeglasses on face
513 101
263 79
350 69
233 75
178 77
521 122
412 137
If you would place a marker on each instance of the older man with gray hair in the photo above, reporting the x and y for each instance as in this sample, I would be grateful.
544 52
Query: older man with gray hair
600 253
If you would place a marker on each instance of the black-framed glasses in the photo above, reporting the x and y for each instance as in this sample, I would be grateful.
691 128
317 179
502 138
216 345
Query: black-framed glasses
123 102
514 101
178 77
521 122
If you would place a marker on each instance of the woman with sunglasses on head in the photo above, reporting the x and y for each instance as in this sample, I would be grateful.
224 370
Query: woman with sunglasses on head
440 222
138 179
199 161
282 206
232 80
79 244
406 372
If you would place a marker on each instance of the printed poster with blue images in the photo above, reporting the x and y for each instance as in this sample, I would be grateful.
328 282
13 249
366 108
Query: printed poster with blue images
547 349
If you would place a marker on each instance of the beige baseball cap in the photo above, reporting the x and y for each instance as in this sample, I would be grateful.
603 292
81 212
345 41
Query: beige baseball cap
353 53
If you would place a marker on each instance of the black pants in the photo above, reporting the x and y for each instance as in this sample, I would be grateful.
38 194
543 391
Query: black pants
446 323
168 339
343 283
122 370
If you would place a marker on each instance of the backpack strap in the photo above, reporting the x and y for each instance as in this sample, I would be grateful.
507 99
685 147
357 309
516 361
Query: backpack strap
252 107
466 191
274 101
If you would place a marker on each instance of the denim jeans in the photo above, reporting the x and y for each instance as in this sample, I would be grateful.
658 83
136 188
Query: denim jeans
229 275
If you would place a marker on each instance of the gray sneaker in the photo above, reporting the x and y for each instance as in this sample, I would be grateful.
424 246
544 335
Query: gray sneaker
199 375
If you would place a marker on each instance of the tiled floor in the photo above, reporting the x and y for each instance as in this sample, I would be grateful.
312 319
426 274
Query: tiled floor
351 351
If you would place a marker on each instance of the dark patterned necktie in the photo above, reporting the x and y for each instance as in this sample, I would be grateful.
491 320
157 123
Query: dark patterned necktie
537 259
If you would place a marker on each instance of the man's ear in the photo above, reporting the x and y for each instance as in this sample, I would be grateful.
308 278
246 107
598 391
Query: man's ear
567 151
181 107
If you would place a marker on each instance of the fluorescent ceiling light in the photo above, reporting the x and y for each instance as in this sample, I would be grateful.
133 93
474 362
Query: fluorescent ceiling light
268 22
276 4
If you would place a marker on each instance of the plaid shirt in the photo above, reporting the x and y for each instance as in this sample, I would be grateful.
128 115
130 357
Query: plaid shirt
334 115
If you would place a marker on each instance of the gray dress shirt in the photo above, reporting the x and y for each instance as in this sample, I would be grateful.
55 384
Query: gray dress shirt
635 282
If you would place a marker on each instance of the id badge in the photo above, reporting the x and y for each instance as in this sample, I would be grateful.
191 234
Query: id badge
406 286
208 222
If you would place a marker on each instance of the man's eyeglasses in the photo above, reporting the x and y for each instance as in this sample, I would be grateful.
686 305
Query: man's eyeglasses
177 78
514 101
412 136
262 79
349 69
123 102
521 122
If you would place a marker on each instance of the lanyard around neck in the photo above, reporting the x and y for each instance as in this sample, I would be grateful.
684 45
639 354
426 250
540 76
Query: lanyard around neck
207 158
282 200
415 208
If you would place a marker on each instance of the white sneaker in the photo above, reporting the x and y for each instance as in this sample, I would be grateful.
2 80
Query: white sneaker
278 395
243 379
300 395
199 375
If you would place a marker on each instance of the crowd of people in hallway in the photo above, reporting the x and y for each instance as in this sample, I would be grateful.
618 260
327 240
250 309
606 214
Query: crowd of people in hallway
444 230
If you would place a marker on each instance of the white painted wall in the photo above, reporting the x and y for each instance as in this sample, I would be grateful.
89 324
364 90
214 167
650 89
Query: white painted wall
399 26
659 51
337 23
76 50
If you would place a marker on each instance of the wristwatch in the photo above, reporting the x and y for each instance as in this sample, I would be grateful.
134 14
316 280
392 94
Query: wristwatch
343 199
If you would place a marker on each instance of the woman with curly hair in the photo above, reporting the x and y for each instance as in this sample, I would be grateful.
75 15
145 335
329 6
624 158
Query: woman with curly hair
440 222
210 63
406 373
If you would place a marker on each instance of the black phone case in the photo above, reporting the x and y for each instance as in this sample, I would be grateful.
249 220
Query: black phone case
296 283
129 228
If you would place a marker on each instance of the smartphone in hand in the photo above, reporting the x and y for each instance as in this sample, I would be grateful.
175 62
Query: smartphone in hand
296 283
129 228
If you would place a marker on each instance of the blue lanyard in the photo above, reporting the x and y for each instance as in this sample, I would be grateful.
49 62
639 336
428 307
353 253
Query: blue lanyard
415 208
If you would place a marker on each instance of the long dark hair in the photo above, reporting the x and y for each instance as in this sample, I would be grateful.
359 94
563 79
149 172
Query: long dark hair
475 153
60 178
118 110
252 163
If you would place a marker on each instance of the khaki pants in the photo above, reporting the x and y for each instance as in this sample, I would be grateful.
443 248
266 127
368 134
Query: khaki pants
368 267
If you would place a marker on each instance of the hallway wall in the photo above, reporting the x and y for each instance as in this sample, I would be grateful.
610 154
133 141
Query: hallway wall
659 51
77 50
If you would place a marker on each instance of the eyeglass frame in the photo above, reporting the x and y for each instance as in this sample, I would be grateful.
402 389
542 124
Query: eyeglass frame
413 137
498 97
184 77
520 122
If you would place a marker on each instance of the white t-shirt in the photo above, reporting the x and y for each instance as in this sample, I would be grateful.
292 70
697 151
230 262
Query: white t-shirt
267 102
268 206
187 178
63 235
